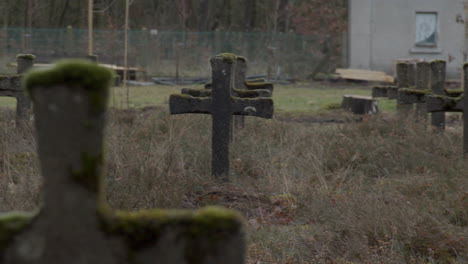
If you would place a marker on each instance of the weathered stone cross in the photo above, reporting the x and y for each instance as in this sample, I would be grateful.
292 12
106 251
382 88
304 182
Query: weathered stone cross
74 225
405 77
437 104
11 86
221 105
430 79
241 88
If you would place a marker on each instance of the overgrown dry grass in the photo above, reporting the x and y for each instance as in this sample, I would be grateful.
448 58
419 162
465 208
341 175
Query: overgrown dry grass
378 191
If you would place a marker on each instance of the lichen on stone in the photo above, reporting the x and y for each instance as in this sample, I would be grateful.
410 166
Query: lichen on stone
89 173
11 224
26 56
437 61
144 227
227 57
74 73
414 91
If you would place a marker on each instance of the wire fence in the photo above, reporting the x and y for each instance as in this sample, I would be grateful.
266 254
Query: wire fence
179 53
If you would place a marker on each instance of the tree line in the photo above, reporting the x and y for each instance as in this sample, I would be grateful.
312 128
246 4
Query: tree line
301 16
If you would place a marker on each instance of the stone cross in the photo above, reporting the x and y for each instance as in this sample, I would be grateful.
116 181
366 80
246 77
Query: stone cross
74 225
437 87
405 79
417 94
11 86
241 88
221 105
441 104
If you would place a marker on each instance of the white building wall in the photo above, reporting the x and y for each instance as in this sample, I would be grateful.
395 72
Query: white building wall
383 31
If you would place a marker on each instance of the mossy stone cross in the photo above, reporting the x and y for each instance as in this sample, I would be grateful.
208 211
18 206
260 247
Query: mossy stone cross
74 225
11 86
439 104
221 105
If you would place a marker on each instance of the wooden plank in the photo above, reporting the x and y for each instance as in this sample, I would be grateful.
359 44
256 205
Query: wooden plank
364 75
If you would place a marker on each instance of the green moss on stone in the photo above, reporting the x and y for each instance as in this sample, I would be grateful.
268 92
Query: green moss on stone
144 227
74 73
228 57
26 56
414 91
89 173
11 224
453 93
437 61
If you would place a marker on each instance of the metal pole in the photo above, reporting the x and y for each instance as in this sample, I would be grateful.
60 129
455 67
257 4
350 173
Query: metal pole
126 54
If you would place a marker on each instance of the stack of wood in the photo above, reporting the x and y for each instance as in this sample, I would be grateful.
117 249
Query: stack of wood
364 75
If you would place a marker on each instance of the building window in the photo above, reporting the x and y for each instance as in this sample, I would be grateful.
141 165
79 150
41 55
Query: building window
426 29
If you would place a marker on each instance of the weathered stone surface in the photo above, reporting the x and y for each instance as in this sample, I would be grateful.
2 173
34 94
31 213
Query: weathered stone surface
437 86
75 225
360 104
423 75
391 92
196 92
412 96
10 83
186 104
403 74
465 110
437 103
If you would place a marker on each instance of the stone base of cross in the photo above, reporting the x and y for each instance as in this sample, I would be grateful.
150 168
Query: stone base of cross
221 105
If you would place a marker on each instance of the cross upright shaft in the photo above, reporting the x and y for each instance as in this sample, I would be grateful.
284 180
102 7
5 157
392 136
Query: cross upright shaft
222 71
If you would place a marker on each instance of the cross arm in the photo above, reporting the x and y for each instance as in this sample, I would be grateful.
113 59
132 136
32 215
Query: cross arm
252 93
453 93
385 91
196 92
256 86
412 96
260 107
185 104
12 83
437 103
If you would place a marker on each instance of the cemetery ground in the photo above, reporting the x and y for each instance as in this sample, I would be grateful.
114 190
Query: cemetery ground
381 190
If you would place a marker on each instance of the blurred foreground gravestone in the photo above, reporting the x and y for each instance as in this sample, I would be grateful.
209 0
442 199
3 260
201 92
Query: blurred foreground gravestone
74 225
221 104
11 86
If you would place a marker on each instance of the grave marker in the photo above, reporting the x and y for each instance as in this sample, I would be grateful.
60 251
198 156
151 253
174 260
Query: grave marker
221 105
437 87
441 104
241 88
75 226
11 86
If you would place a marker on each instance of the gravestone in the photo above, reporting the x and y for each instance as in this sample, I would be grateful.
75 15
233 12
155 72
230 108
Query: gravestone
11 86
405 79
390 92
442 103
74 225
362 105
221 105
417 94
241 88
